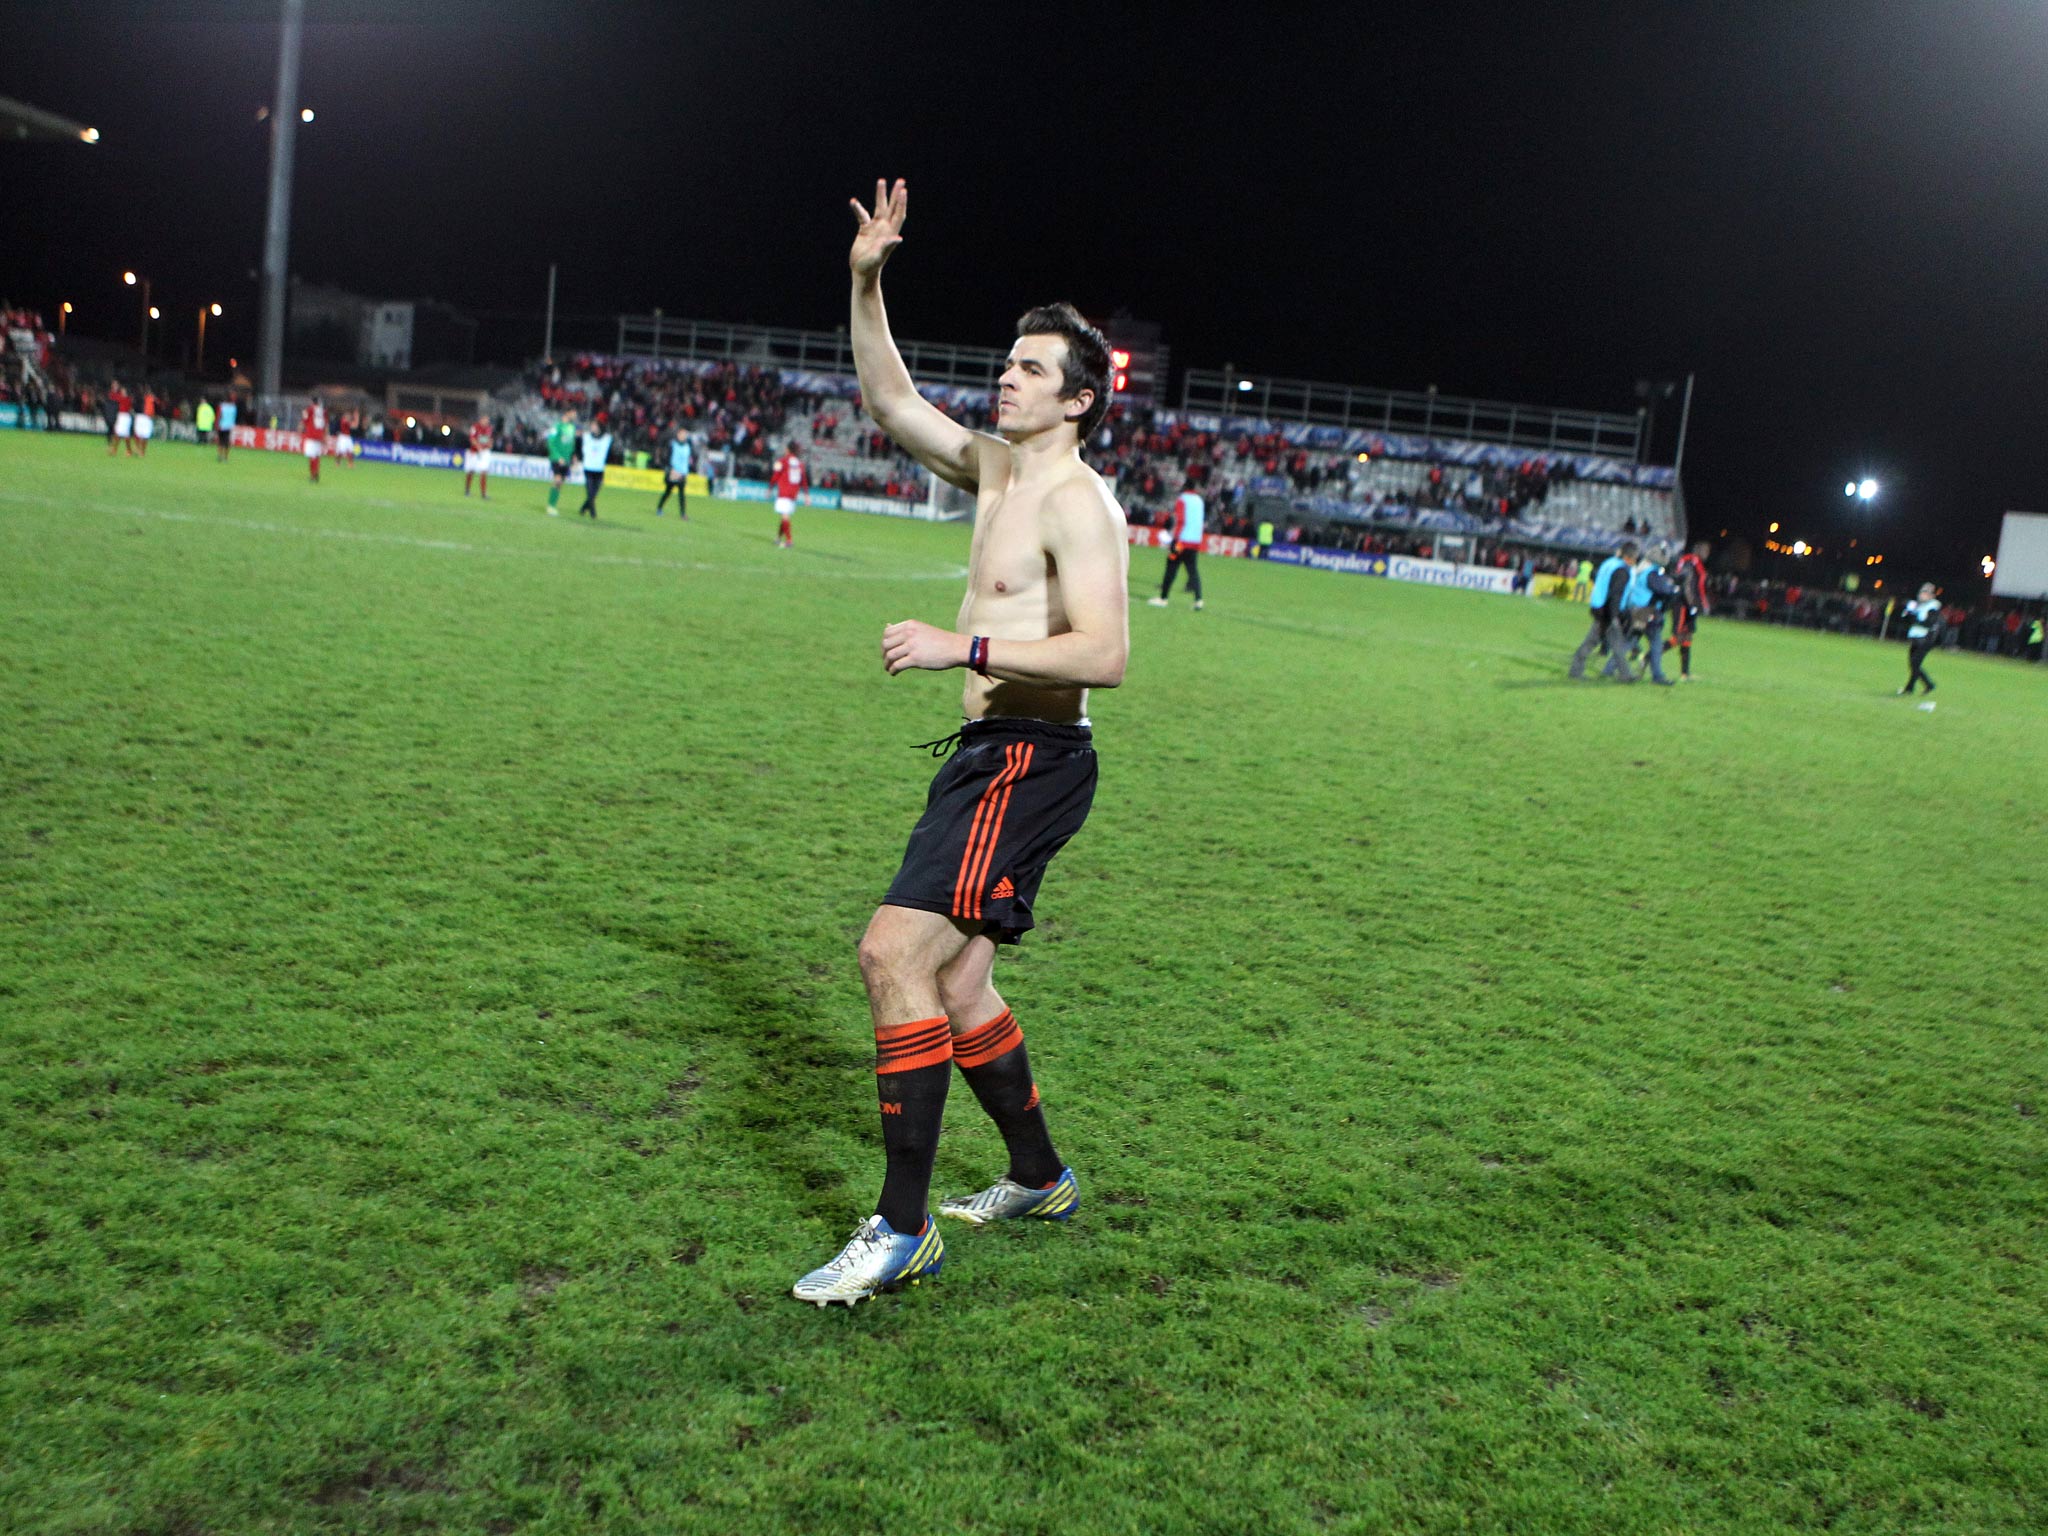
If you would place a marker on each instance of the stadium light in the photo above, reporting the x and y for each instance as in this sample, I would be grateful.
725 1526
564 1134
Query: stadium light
1849 489
1989 565
199 361
89 135
128 278
1774 528
305 114
63 313
411 422
1244 386
1866 489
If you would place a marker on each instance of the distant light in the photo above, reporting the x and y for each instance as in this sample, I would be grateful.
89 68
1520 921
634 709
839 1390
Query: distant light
1119 358
1365 458
155 313
128 278
1244 386
213 309
1989 565
1799 546
234 362
1774 527
444 431
67 306
262 113
1866 489
411 422
90 135
305 114
1849 489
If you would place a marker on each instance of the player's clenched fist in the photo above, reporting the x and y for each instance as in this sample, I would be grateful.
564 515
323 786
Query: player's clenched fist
913 643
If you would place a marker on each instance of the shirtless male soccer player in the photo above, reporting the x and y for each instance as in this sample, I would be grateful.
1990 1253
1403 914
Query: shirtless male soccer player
1044 620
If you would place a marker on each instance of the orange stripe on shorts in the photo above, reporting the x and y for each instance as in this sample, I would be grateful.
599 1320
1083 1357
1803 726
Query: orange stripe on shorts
987 827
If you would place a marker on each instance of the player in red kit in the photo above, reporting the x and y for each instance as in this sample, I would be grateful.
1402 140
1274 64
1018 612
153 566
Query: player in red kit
788 477
478 464
313 436
1690 572
122 422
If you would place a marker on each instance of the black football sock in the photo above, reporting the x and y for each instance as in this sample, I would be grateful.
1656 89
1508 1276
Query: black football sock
991 1057
913 1069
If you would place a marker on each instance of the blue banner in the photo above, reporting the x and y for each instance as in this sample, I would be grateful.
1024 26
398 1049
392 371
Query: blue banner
1349 561
405 453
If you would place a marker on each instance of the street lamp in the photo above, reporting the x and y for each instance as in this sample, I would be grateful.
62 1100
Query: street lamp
148 312
204 311
63 312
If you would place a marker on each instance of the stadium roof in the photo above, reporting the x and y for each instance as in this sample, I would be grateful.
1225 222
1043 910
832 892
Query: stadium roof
19 120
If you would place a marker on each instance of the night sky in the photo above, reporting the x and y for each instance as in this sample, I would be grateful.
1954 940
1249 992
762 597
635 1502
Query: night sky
1836 214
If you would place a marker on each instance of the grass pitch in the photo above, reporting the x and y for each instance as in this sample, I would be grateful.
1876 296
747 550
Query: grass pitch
432 1046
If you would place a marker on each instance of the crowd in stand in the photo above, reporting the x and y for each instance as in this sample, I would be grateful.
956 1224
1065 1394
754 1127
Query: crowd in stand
730 408
1990 628
32 374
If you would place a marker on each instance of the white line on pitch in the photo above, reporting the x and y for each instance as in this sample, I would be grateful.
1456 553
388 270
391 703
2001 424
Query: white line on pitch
452 546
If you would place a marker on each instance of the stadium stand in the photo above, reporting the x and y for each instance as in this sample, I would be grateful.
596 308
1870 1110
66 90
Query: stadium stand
1320 483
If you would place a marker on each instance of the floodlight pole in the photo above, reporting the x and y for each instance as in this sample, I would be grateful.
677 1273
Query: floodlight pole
1684 418
547 345
284 125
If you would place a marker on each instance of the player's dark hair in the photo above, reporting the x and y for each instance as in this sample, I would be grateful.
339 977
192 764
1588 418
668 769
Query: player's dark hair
1087 361
1629 550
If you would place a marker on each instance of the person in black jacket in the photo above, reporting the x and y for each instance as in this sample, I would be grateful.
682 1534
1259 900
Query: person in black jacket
1923 634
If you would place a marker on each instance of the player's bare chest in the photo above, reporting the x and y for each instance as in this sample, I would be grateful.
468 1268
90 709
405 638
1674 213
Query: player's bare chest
1008 554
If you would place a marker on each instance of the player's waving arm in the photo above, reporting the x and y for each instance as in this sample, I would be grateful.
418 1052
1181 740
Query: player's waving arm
949 450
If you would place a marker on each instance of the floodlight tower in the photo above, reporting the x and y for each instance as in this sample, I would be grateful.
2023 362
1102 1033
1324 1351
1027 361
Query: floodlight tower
284 125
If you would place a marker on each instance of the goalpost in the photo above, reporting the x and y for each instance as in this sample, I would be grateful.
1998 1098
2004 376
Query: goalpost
945 503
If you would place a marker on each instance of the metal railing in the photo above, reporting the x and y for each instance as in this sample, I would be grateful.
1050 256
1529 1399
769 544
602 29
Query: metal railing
662 336
1608 433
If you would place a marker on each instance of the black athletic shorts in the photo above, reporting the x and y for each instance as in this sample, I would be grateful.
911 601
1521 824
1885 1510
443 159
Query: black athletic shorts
1684 621
1003 805
559 468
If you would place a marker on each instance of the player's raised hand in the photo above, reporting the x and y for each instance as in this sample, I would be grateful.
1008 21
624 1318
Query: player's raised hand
880 232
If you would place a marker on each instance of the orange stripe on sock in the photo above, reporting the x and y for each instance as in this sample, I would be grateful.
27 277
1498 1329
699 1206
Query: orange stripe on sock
907 1047
997 1037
